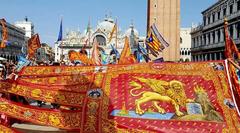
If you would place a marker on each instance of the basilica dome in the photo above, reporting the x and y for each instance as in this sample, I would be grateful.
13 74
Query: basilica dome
129 31
106 25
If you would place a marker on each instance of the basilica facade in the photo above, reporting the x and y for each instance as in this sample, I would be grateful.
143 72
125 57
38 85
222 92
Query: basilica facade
76 40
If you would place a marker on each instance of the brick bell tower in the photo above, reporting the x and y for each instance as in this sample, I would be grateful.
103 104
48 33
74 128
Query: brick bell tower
166 15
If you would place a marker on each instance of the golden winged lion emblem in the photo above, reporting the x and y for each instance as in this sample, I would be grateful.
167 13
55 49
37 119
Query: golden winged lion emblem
172 92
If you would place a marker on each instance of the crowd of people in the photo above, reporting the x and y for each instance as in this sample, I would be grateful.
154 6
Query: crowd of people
7 70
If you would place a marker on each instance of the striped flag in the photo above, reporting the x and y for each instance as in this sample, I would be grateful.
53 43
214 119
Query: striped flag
155 41
4 33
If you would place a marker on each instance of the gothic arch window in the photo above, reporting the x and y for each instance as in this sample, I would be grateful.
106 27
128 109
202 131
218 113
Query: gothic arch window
185 53
180 40
101 40
182 52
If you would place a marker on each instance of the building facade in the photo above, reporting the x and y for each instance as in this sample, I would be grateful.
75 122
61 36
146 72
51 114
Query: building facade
45 53
185 44
76 40
166 15
16 39
27 26
208 38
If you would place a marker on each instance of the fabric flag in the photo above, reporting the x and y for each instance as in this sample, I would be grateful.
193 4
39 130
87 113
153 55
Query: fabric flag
96 53
232 53
115 51
104 58
126 57
4 33
33 45
144 52
113 31
22 62
155 41
77 56
159 36
139 57
60 32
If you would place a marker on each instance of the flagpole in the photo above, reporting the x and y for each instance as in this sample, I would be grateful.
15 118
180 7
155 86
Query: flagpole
116 33
89 35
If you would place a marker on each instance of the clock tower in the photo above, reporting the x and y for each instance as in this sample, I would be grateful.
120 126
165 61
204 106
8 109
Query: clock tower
166 15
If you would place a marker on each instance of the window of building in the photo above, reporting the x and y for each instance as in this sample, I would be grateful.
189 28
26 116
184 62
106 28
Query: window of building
180 40
209 20
238 30
224 11
208 37
238 5
231 9
231 30
218 15
204 20
205 39
213 17
155 5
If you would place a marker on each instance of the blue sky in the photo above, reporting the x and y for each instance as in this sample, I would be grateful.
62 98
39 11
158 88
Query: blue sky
45 14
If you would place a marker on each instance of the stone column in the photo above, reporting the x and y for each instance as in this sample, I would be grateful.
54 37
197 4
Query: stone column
221 35
235 7
206 39
216 36
220 55
235 31
215 56
211 38
210 56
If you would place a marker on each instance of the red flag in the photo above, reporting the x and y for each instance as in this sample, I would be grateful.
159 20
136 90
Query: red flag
95 53
232 54
4 33
73 56
126 57
33 45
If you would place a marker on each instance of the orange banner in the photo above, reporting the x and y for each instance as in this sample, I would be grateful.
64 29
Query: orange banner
33 45
4 33
49 117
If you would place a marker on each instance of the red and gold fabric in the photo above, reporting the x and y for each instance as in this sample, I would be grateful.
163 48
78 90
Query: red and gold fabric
126 57
52 95
232 53
4 129
33 45
73 55
181 97
55 118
